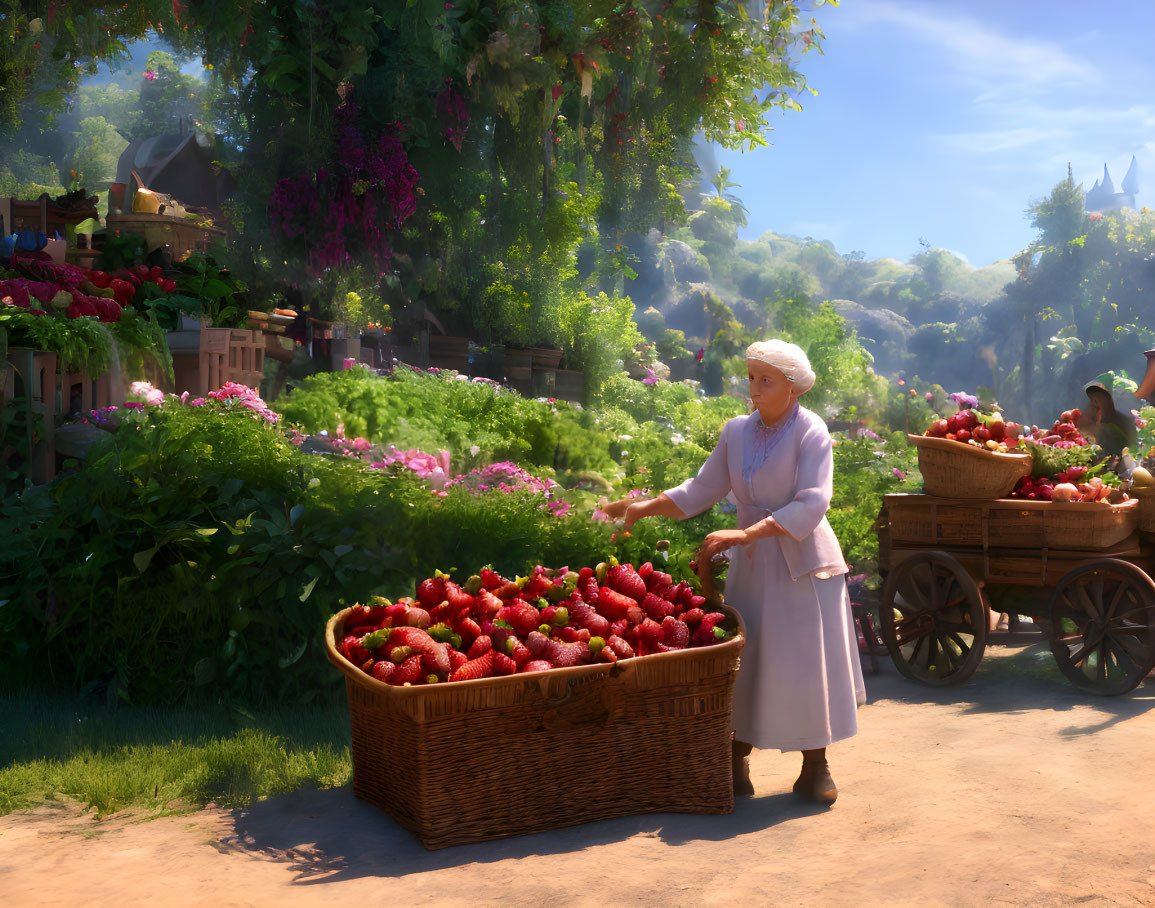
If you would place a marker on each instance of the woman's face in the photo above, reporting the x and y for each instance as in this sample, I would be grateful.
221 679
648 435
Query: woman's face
772 393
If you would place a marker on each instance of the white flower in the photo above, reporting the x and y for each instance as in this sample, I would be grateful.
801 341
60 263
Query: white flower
625 438
677 439
474 450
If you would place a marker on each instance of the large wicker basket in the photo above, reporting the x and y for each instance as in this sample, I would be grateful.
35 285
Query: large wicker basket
476 760
951 469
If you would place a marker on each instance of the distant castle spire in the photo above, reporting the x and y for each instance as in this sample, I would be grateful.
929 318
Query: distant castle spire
1103 197
1108 184
1131 180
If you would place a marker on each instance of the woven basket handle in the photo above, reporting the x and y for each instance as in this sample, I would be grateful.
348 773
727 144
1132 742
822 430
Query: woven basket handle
706 576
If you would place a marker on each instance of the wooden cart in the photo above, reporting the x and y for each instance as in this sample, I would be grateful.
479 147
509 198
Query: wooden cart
1083 571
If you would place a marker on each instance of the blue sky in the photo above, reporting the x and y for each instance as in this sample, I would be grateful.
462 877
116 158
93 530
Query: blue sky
943 121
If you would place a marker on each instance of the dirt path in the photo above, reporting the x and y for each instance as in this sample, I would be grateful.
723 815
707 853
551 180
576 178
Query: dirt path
1014 789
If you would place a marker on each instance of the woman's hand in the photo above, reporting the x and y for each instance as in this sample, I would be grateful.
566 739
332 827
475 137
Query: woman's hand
616 510
719 541
635 512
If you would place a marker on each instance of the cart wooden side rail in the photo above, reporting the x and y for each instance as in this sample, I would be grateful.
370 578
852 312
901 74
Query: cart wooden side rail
1083 569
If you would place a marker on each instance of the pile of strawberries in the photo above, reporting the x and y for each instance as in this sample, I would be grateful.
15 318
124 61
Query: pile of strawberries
493 626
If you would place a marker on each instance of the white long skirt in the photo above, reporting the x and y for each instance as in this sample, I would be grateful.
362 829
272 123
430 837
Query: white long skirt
800 682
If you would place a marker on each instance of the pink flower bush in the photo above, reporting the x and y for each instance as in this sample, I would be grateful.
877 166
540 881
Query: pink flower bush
154 397
232 394
434 469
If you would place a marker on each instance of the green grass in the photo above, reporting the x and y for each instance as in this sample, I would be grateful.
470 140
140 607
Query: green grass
158 760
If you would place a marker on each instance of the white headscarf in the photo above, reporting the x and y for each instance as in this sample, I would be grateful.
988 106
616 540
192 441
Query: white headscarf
789 359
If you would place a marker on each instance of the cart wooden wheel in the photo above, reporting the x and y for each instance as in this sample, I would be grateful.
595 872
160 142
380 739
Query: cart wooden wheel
1102 626
933 619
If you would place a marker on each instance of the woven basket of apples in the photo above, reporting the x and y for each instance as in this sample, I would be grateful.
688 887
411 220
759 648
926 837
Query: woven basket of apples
970 455
609 686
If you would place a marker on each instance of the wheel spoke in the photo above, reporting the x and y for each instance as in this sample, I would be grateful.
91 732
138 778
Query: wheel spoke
914 652
1120 591
1079 656
1096 591
963 646
1139 660
1117 650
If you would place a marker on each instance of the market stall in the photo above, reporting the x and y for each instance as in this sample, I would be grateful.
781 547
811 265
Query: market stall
1075 555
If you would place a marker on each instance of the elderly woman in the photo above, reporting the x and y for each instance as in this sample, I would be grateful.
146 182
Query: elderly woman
800 683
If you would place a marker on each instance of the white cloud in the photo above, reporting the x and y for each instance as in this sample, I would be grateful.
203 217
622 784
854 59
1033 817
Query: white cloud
999 63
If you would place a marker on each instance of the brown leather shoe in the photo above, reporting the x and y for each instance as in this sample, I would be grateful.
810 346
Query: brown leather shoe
740 761
815 783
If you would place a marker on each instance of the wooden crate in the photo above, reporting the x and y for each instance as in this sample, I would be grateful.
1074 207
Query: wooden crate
1008 523
244 358
181 235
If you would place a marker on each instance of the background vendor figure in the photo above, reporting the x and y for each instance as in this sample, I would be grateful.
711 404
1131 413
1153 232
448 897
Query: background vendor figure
800 682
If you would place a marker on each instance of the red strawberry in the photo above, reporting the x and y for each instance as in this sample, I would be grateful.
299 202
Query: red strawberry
408 672
481 667
440 613
588 588
490 579
374 613
635 615
417 617
622 578
657 580
607 655
704 635
614 605
619 627
431 590
675 633
697 601
480 647
585 574
521 654
507 591
436 655
383 671
536 585
469 629
459 600
645 570
656 607
566 655
503 664
575 634
650 633
682 594
456 659
486 605
521 616
583 615
354 651
361 630
536 665
693 616
536 643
